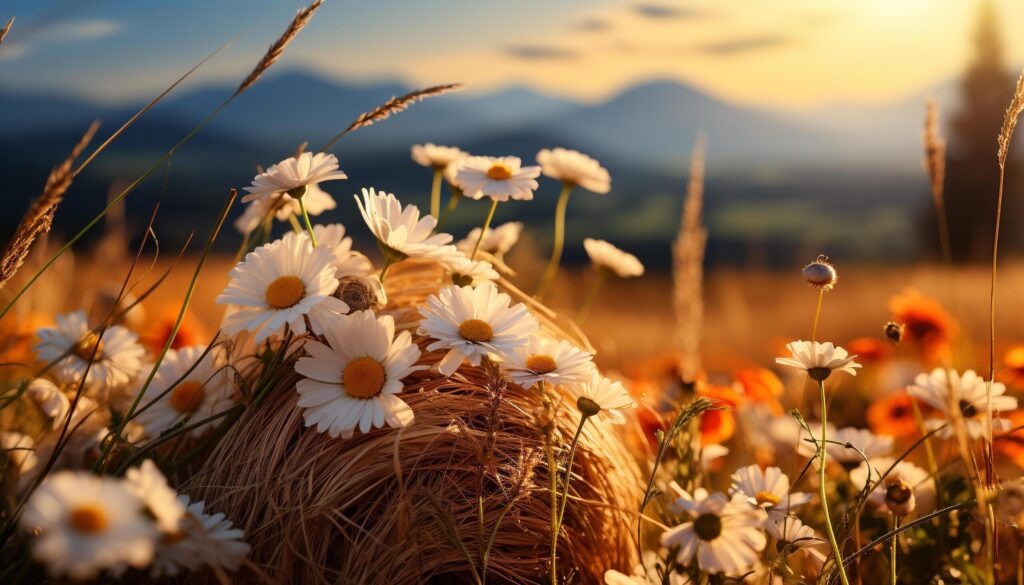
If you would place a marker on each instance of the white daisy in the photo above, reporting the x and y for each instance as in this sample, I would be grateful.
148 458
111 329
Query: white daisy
607 256
294 175
497 241
355 379
602 397
19 452
724 535
88 523
316 200
646 573
801 540
500 178
204 390
400 231
819 360
200 539
347 261
472 322
466 272
919 482
572 167
767 488
548 360
950 391
50 399
283 283
149 485
436 157
862 440
117 355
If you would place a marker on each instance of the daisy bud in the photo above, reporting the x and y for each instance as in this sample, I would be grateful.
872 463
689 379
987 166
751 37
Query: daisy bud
587 406
893 331
820 274
899 498
361 293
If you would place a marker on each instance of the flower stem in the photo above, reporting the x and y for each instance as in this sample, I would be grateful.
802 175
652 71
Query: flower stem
568 470
384 271
309 225
435 193
296 226
892 550
822 491
588 303
483 231
817 315
556 250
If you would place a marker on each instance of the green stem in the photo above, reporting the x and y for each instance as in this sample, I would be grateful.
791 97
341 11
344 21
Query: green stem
892 551
435 193
453 202
559 244
588 303
309 224
384 271
823 492
483 231
296 226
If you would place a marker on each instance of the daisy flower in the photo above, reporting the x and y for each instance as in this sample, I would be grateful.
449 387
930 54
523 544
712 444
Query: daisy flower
572 167
724 535
607 256
500 178
201 393
316 201
294 175
767 488
355 379
86 524
905 488
602 397
548 360
200 539
950 392
400 231
161 502
646 573
50 399
283 283
790 532
436 157
346 261
466 272
819 360
472 322
116 357
862 440
497 241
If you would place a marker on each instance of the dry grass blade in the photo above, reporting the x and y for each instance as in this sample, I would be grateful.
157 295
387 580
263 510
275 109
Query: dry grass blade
935 167
6 29
688 269
39 217
1010 120
393 106
275 51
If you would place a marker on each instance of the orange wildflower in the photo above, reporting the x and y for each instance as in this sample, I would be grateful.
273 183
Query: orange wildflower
1011 444
894 415
760 385
925 322
1013 363
190 333
869 350
718 426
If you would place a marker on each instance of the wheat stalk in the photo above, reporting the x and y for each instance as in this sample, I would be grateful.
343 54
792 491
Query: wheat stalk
1010 120
6 29
39 217
392 106
935 167
275 51
688 269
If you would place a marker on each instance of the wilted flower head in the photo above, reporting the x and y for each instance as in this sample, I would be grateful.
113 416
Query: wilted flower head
820 274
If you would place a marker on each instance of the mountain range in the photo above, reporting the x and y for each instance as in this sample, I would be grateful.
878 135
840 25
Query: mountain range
838 163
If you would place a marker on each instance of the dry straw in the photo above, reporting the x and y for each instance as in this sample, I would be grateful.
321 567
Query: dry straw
6 29
935 167
275 51
39 217
400 506
688 269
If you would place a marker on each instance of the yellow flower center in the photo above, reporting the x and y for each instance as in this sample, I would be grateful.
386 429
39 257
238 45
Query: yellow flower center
363 377
767 498
499 172
476 330
285 291
541 364
89 519
187 396
85 347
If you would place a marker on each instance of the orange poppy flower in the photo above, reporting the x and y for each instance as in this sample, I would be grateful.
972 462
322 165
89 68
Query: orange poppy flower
894 415
190 333
1013 362
869 350
761 386
718 426
1012 444
924 318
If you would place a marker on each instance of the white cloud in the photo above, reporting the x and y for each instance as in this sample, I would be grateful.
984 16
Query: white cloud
67 32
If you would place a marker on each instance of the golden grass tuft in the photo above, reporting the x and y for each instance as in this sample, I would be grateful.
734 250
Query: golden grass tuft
275 51
39 217
383 507
935 167
688 269
1010 121
6 29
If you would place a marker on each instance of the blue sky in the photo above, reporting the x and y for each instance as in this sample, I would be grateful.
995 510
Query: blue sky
788 53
